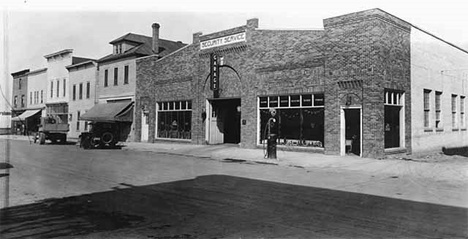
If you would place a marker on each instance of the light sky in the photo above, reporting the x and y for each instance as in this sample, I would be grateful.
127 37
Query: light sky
40 27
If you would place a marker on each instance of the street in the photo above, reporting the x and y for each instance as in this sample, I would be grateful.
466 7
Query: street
67 192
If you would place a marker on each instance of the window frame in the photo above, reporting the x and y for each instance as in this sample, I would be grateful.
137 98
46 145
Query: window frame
106 77
126 73
438 110
80 91
116 76
74 92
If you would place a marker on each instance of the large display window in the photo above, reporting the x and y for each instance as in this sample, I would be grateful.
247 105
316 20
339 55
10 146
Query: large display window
300 119
174 120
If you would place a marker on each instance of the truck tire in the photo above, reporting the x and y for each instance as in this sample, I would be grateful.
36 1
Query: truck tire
63 139
41 138
107 138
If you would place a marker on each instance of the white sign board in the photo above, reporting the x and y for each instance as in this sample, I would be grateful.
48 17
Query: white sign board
222 41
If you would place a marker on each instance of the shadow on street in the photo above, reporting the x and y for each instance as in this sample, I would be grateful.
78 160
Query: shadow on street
215 206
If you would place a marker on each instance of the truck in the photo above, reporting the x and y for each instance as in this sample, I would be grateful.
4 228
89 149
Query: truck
110 123
52 129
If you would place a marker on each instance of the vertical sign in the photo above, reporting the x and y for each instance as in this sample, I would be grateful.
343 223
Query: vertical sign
214 72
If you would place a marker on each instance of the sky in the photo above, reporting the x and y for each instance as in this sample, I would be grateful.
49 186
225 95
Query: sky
39 27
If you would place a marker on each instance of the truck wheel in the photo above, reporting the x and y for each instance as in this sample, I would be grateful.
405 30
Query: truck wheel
63 139
42 138
107 138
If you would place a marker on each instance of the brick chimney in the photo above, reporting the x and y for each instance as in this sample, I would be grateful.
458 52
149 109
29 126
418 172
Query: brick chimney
155 45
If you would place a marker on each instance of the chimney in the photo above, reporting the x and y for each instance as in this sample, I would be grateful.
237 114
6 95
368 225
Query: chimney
196 37
155 46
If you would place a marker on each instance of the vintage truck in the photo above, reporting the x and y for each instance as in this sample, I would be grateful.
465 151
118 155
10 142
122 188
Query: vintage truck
52 129
109 124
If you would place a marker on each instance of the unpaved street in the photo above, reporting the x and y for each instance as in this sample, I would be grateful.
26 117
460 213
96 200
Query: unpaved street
64 191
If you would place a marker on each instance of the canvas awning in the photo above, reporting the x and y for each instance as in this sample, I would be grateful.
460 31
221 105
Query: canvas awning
26 114
110 112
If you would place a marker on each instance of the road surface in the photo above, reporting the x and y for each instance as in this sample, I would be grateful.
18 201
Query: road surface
64 191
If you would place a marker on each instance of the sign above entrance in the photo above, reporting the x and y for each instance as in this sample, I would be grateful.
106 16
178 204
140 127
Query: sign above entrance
222 41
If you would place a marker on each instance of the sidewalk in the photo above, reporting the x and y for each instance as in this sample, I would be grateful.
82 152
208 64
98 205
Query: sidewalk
445 168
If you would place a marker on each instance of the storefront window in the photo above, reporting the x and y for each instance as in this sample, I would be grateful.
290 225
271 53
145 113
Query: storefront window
300 119
174 120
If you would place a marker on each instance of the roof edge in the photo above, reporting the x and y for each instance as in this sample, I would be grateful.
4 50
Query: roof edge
59 53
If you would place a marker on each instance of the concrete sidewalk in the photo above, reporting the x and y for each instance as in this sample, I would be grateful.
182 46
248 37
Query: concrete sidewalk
436 167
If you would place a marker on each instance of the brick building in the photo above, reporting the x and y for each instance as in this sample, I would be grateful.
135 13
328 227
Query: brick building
358 86
117 71
19 101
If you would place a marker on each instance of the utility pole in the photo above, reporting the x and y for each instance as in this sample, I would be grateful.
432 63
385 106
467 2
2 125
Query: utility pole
5 110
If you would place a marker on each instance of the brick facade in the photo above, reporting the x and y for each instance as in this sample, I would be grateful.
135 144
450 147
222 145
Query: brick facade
354 61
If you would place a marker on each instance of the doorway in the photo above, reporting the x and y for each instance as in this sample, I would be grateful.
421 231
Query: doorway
224 119
351 132
144 126
392 126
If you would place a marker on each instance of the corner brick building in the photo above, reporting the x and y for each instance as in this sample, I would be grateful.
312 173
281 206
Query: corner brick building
358 86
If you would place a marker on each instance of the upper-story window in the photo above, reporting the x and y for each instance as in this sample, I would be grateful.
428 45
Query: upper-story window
30 97
126 75
116 76
454 111
42 96
462 111
74 92
58 88
22 100
427 108
52 89
88 89
15 102
19 84
80 95
106 78
118 48
64 87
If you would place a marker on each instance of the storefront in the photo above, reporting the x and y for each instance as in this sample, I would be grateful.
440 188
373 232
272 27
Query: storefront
329 97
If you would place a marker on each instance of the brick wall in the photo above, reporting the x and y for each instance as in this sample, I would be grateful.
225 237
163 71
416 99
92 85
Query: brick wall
372 48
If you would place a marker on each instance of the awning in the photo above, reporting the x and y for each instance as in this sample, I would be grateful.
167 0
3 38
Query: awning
26 114
110 112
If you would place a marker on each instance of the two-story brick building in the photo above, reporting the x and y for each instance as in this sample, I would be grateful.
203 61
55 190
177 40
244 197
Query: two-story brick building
19 101
357 86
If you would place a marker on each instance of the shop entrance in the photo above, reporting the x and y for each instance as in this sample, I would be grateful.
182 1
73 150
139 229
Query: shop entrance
351 132
223 121
392 126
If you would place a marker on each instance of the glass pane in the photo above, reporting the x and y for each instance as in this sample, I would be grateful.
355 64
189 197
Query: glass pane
189 106
273 101
295 100
184 105
313 127
284 101
263 102
165 105
171 105
319 100
177 105
307 100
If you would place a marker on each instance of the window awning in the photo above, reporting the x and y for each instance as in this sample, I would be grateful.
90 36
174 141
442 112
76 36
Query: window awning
110 112
26 114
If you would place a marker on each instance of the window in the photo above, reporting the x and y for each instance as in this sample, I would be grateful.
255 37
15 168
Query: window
438 110
74 92
86 125
58 88
427 108
462 112
78 121
22 100
88 89
16 101
393 105
300 119
126 75
120 48
174 119
106 75
116 75
19 84
64 87
30 97
42 96
80 94
454 111
51 89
